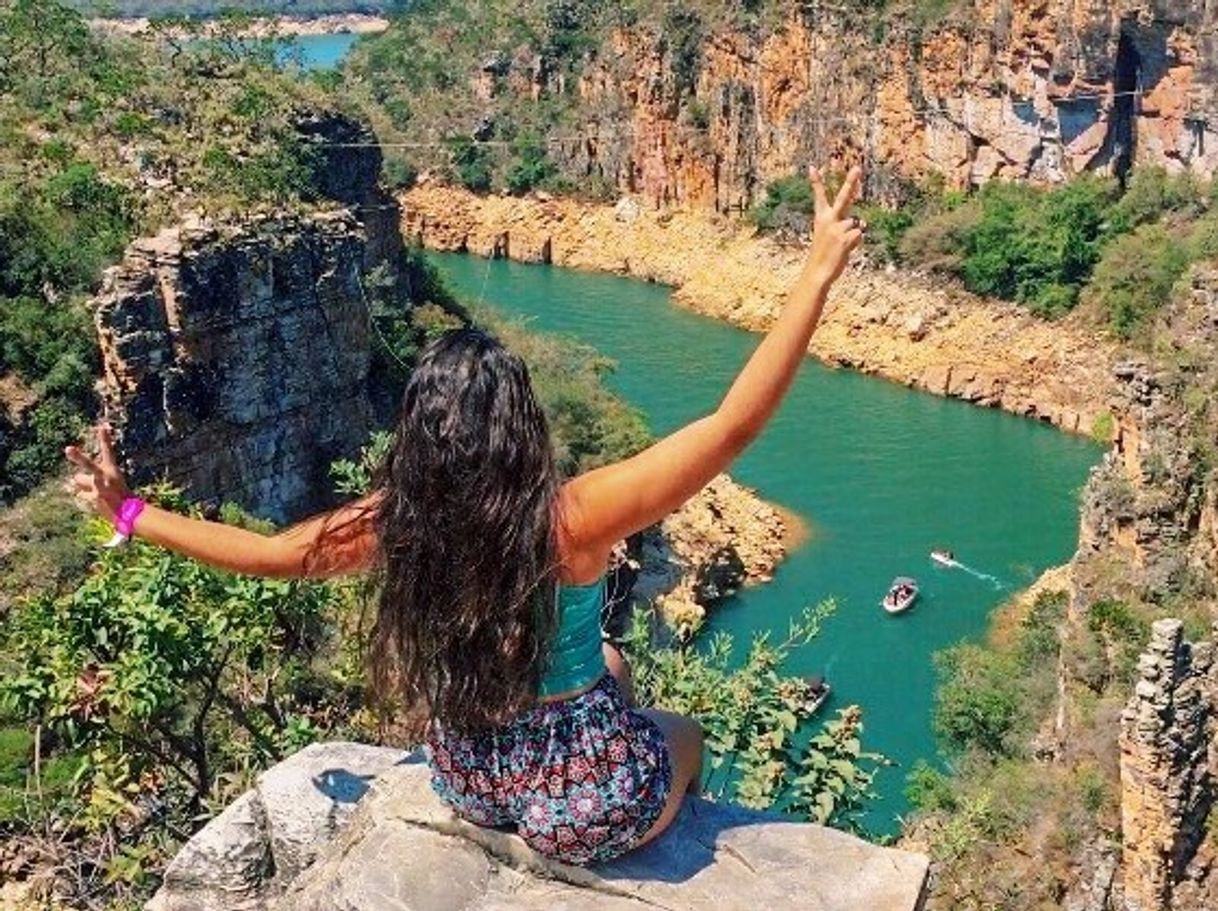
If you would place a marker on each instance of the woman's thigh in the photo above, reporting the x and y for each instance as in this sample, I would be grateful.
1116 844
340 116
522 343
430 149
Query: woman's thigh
683 737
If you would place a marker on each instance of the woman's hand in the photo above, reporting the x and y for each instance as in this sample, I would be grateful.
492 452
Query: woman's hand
835 233
99 485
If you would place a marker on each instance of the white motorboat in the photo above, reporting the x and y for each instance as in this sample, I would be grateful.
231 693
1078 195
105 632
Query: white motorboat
901 595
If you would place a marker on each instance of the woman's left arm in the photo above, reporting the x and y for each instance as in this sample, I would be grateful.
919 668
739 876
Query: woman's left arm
330 544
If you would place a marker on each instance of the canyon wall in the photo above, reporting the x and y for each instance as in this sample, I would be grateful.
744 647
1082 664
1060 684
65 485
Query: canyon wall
237 351
899 327
703 113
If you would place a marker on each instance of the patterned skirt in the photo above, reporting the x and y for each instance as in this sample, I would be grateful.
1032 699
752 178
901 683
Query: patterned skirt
582 780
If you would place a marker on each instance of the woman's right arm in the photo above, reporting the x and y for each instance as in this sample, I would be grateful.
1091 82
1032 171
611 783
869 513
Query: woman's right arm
334 543
606 505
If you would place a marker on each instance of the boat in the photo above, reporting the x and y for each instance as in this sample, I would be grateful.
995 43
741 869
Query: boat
901 595
944 558
818 692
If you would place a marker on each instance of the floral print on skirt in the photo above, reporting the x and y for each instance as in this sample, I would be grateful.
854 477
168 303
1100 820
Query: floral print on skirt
583 779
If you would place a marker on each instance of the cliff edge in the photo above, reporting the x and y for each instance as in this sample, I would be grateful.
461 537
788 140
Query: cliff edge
357 828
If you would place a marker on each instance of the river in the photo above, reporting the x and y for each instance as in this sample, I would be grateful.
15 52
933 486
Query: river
880 474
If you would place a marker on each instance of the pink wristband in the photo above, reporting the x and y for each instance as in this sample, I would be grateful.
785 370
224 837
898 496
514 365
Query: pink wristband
124 519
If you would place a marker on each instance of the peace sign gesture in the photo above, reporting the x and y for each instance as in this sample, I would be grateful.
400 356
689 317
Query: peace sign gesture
99 485
836 233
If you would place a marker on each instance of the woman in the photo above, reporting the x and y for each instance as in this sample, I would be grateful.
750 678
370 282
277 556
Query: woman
492 570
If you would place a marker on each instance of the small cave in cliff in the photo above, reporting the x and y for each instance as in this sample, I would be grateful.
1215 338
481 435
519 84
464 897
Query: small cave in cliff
1117 152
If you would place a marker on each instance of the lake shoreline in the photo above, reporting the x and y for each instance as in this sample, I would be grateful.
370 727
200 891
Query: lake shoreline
903 328
260 27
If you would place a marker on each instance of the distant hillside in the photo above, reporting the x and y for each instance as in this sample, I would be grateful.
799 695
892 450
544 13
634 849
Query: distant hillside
126 9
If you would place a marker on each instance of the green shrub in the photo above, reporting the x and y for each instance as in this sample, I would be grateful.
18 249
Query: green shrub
590 426
886 228
1103 428
158 662
788 205
1152 193
1039 638
1118 620
285 170
938 242
928 789
979 704
753 716
1135 277
471 164
531 166
1034 246
399 173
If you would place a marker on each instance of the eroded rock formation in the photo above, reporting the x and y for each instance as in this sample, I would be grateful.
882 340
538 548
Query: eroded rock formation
899 327
299 841
1169 772
236 350
723 538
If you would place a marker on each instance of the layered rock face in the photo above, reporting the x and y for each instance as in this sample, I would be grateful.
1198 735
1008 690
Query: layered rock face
1169 773
301 841
904 329
237 358
723 538
701 115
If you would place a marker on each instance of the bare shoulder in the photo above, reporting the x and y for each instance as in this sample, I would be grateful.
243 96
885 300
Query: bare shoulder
583 558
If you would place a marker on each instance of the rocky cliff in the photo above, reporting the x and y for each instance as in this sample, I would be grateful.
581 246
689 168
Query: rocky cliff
703 106
898 327
723 538
237 351
237 357
357 828
1154 500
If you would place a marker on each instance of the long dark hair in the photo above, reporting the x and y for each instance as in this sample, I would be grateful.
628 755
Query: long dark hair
467 529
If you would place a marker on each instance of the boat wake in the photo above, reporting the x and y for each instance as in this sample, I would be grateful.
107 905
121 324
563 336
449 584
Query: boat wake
947 560
978 574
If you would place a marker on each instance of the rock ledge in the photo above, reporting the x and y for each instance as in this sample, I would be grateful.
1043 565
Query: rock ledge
298 841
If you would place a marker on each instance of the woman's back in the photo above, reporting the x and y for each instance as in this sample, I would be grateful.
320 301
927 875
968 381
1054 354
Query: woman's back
576 657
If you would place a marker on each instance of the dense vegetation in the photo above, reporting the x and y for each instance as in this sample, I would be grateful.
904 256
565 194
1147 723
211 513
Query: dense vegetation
1118 253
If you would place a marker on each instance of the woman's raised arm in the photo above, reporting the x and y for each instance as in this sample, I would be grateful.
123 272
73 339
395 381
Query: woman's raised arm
608 504
330 544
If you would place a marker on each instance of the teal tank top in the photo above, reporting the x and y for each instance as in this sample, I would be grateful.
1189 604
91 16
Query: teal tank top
576 658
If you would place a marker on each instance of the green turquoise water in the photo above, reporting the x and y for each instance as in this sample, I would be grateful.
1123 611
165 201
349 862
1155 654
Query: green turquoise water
313 52
880 473
321 52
